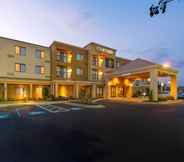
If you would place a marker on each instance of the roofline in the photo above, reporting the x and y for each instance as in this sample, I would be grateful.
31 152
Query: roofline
123 58
68 45
100 45
11 39
147 67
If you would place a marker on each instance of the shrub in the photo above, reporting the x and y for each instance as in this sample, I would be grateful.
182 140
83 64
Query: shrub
150 95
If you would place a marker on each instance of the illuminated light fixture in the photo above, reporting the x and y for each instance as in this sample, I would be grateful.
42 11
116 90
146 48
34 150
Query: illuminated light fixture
24 95
166 65
116 80
162 84
149 79
131 85
100 73
69 70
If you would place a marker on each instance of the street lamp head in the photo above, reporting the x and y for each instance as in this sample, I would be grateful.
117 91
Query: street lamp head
166 65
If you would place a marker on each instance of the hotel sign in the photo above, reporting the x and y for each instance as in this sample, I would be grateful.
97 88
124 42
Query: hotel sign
105 50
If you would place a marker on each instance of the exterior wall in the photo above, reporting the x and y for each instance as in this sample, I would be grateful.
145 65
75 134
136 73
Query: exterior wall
1 92
8 59
101 52
121 62
83 64
66 91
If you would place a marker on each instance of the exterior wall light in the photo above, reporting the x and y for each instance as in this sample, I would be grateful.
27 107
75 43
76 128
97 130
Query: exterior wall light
166 65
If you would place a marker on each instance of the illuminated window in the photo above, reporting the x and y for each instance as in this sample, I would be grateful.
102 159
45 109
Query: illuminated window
20 67
39 54
21 92
79 57
100 75
20 51
79 71
39 69
69 58
101 62
69 73
99 92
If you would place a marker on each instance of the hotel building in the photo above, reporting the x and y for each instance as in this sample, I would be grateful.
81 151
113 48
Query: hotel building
30 71
24 70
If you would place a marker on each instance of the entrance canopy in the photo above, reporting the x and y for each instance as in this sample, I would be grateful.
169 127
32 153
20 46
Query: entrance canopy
143 69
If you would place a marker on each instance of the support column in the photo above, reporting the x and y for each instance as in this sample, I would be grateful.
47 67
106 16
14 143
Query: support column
5 91
117 91
56 90
30 91
77 90
154 84
107 92
129 92
94 91
173 87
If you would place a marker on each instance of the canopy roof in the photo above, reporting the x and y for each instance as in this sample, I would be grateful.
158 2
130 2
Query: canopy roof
141 65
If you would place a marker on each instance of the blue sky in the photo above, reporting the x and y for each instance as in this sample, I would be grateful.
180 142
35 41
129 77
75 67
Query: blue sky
121 24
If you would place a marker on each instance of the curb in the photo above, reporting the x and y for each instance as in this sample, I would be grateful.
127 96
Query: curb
31 104
86 106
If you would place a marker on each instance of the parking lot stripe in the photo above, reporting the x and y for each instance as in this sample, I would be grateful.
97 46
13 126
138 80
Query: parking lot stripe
18 113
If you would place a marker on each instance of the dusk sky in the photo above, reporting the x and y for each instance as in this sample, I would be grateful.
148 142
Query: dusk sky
121 24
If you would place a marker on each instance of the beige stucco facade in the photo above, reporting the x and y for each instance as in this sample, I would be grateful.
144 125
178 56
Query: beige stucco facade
18 85
24 75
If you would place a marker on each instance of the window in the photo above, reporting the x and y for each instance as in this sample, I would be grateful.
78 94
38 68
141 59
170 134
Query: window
63 57
99 92
58 71
101 62
69 58
95 61
79 57
94 74
39 54
58 58
109 63
20 67
20 51
63 72
117 64
69 73
79 71
100 75
39 69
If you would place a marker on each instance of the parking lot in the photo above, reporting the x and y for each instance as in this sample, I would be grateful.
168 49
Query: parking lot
121 131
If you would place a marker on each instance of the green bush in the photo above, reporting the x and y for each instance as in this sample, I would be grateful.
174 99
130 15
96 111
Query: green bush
150 95
165 98
84 97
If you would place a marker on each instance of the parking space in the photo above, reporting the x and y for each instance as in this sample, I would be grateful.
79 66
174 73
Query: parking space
35 111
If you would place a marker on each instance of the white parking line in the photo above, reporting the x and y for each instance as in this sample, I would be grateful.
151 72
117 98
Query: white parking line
18 113
60 109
